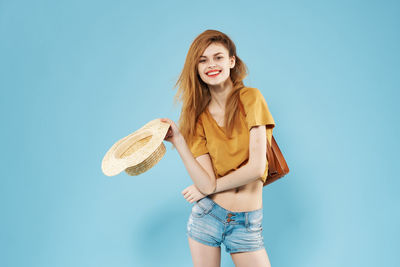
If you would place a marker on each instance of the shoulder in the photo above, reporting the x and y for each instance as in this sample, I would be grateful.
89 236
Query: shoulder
199 124
249 93
250 96
200 118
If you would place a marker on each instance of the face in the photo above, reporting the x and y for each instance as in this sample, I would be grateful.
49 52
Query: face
215 65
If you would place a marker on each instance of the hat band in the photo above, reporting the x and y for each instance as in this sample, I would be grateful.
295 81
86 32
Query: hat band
148 163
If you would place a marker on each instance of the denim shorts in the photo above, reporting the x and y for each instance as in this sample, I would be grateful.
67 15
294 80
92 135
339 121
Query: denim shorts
211 224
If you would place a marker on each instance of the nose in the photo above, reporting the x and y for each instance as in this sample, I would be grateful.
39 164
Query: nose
212 64
211 67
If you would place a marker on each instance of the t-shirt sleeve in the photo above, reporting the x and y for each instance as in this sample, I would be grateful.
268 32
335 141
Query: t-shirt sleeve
256 108
198 146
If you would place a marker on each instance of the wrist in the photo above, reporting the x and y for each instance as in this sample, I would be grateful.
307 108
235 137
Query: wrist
179 140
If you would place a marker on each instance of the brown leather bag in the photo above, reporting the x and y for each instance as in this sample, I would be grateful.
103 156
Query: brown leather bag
277 166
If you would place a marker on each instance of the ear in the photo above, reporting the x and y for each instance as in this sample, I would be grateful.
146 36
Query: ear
232 61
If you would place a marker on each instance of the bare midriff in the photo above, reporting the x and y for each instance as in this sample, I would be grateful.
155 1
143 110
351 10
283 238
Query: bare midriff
245 198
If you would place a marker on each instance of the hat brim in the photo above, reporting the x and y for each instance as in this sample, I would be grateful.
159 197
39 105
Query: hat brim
134 148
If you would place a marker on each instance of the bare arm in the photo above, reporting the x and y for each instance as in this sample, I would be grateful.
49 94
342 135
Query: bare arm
255 166
203 179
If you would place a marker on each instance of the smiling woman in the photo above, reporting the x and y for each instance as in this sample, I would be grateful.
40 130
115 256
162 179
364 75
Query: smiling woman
215 64
221 138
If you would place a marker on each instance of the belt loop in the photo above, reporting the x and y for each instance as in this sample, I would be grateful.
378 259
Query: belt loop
246 216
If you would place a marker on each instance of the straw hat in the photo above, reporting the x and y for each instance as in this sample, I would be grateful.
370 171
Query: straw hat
137 152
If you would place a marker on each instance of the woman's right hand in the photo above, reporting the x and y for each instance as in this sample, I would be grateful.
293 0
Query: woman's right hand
173 134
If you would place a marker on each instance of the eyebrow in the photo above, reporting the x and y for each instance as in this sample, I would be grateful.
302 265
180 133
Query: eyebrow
214 54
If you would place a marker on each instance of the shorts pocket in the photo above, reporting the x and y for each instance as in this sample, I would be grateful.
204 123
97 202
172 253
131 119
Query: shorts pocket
198 211
254 223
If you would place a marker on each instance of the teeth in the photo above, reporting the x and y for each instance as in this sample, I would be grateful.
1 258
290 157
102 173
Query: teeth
212 73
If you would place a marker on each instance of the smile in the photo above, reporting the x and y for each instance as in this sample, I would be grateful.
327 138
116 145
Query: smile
213 73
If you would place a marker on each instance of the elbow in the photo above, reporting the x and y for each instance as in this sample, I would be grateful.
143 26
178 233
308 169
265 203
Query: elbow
210 189
258 170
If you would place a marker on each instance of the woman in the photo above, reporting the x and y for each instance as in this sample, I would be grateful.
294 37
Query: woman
222 140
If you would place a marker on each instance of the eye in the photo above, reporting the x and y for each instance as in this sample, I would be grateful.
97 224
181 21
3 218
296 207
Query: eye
202 60
219 57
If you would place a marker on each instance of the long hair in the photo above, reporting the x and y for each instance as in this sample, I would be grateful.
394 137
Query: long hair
194 93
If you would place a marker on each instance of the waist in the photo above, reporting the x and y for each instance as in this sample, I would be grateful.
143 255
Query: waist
235 217
246 198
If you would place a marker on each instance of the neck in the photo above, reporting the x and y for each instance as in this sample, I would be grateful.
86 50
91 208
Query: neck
219 93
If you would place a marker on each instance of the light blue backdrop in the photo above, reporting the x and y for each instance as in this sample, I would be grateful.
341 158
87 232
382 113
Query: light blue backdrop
76 76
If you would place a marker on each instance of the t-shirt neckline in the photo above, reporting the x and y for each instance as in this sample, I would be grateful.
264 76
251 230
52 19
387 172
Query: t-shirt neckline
212 118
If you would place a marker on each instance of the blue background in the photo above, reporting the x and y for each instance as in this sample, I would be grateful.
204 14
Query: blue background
76 76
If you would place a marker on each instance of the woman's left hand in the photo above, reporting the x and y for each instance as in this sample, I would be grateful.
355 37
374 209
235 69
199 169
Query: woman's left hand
192 194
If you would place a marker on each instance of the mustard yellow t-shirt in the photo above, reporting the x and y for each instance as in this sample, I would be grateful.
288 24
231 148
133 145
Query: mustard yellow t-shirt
230 154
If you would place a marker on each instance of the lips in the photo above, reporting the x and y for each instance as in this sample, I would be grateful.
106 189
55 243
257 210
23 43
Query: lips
215 72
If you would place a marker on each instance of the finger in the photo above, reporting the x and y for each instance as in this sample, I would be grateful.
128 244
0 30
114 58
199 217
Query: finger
171 123
166 120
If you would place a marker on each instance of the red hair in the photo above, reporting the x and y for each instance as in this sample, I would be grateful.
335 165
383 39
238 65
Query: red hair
194 93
